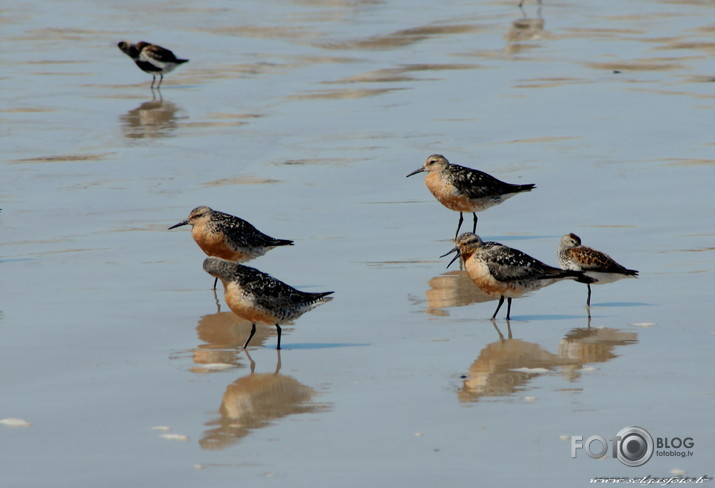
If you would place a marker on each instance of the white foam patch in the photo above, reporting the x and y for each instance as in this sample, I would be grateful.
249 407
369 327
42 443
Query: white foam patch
531 370
11 422
217 366
175 437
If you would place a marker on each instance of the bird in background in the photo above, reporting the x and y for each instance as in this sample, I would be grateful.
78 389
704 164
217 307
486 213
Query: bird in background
258 297
151 58
465 189
504 272
595 264
228 237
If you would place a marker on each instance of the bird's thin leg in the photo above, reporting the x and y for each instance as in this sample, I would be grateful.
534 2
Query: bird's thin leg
508 308
501 300
474 226
278 329
459 224
588 300
153 79
161 78
215 283
250 336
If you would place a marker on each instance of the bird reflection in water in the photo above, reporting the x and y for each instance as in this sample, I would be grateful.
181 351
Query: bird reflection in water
592 345
525 29
452 289
506 366
151 119
256 401
223 334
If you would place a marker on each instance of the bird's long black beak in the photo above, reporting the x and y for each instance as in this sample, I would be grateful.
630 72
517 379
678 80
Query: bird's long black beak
416 171
183 222
456 256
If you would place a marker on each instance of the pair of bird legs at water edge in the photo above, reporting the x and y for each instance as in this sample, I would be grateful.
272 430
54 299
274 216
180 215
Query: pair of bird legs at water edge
508 307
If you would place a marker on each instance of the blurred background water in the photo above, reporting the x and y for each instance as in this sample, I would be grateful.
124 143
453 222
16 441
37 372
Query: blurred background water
304 117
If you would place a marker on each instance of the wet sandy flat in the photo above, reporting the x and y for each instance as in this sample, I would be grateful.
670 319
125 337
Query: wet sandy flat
120 365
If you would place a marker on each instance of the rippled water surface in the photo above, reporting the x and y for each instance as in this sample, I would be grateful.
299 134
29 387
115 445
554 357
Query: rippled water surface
304 117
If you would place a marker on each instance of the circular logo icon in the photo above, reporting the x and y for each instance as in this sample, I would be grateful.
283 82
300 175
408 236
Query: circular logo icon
635 447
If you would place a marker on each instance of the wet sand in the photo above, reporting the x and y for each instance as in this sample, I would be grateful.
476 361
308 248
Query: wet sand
304 118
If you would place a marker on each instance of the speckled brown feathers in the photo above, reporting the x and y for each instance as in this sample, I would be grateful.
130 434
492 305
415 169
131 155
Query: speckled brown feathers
465 189
229 237
597 265
572 255
258 297
505 272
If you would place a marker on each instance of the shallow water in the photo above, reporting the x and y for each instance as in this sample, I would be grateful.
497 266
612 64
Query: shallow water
304 117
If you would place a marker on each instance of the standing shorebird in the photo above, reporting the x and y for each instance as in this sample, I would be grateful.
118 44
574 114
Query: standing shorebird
465 189
501 271
225 236
258 297
595 264
151 59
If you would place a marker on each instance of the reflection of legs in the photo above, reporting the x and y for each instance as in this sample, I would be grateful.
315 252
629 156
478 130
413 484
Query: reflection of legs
250 336
253 363
494 323
278 329
278 362
218 304
508 329
588 300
